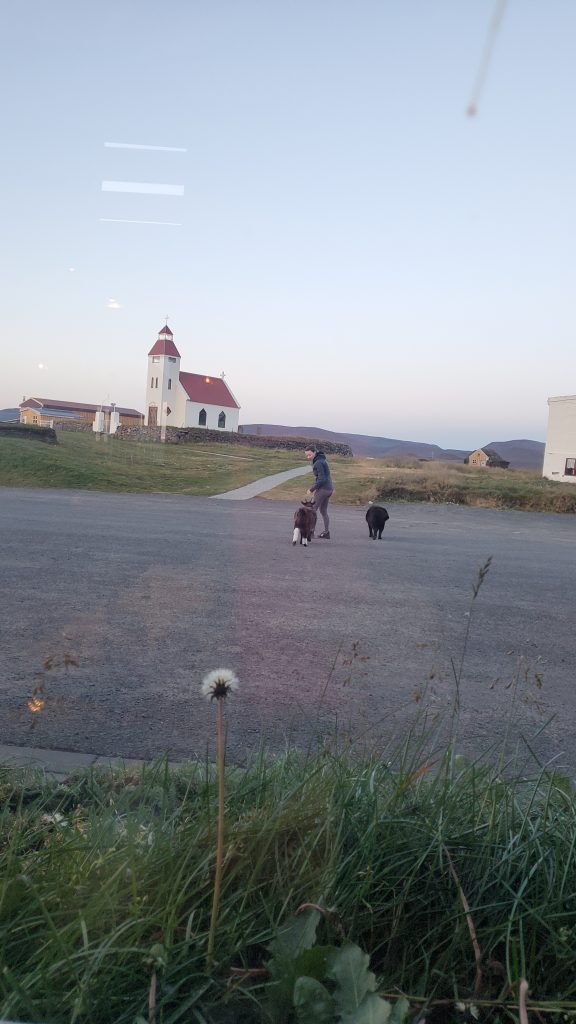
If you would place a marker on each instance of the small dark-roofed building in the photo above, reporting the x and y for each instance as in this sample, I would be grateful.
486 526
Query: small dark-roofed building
487 457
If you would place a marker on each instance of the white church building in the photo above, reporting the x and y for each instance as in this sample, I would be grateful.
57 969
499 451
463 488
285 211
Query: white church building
178 399
560 451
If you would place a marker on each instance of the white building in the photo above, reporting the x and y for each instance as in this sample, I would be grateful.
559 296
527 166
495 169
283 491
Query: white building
178 399
560 451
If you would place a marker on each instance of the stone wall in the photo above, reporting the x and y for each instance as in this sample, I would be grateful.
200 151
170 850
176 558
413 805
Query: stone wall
84 426
46 434
196 435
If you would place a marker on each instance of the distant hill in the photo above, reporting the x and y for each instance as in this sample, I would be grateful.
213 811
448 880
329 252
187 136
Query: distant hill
520 454
6 415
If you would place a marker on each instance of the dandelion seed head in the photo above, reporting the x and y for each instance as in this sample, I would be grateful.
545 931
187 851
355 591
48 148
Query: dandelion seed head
218 683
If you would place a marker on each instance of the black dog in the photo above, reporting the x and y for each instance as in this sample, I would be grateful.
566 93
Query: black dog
304 525
376 517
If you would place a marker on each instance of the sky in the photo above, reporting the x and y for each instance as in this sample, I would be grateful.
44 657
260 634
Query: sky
339 236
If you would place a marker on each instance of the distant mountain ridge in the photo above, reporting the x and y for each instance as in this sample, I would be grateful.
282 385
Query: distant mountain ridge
9 415
521 454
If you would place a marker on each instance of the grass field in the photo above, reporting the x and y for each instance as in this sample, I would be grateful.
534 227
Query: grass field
360 480
88 461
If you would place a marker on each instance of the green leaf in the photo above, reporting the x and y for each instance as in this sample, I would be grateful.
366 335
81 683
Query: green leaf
313 962
348 967
292 954
296 935
313 1002
372 1010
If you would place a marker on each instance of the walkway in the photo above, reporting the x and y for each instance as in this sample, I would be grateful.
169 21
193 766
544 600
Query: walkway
266 483
59 764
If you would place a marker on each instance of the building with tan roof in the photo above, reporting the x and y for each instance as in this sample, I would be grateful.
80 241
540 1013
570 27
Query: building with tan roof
47 412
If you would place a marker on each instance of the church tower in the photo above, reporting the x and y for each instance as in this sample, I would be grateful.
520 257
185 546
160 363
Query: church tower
163 377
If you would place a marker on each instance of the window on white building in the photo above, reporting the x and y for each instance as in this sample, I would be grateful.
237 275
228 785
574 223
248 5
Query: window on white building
570 467
202 418
169 384
222 420
155 359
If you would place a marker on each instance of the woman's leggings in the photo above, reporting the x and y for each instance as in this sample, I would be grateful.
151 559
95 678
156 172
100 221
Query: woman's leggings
321 498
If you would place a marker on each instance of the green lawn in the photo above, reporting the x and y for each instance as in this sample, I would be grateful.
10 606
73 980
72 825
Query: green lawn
91 462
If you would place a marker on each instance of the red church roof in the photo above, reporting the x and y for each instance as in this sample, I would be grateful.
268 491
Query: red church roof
208 390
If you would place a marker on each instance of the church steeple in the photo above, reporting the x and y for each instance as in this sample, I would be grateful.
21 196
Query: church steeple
164 344
163 380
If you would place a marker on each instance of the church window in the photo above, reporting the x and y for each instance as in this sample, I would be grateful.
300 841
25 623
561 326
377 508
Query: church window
156 382
152 383
171 359
222 420
155 359
169 384
570 467
202 418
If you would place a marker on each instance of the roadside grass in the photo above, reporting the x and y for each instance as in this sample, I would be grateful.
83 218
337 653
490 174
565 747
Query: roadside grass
88 461
358 481
106 881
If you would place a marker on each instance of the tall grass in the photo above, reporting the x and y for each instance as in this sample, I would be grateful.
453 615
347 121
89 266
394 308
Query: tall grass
358 481
108 879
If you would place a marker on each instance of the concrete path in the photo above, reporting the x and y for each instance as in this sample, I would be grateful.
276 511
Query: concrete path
58 764
266 483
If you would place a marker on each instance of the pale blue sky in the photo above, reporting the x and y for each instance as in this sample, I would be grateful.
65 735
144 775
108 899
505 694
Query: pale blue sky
354 251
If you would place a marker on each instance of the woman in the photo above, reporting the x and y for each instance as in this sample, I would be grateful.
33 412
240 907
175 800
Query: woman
322 488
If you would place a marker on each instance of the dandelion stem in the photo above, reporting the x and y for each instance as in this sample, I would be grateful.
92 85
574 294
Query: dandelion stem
220 829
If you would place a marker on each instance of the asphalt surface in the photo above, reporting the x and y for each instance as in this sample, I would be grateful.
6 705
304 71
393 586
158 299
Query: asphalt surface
347 640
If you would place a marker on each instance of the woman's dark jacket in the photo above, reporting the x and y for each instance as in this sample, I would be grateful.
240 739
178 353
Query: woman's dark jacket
322 478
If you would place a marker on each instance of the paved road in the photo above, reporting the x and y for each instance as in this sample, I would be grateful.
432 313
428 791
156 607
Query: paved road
148 592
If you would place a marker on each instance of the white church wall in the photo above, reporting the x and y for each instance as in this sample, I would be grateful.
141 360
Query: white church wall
178 406
560 438
193 410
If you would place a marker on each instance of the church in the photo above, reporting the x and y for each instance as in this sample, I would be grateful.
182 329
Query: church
178 399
